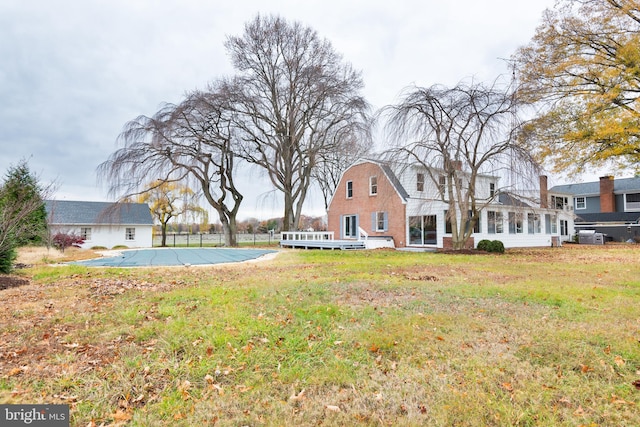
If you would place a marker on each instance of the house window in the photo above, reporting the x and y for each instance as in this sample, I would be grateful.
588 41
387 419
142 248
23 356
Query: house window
442 184
476 226
130 233
349 189
558 202
423 230
373 185
564 227
581 203
85 233
533 223
420 182
492 189
350 226
495 222
551 224
632 202
515 223
448 227
380 221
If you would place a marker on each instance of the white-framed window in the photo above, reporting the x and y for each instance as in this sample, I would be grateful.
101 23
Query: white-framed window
632 202
533 223
349 189
581 202
558 202
492 189
564 227
380 221
373 185
442 184
350 226
495 222
85 233
515 223
419 181
130 233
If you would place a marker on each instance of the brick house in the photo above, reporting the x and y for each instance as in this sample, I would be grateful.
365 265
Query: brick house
609 206
382 201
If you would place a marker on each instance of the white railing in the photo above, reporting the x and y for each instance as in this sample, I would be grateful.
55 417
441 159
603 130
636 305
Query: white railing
362 235
306 235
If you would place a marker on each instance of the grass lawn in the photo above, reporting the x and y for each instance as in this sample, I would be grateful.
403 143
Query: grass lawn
536 337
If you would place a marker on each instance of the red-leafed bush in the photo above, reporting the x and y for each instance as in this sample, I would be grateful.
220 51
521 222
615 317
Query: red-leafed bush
64 240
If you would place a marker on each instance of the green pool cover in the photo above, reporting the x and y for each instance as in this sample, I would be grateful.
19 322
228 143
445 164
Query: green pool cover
169 256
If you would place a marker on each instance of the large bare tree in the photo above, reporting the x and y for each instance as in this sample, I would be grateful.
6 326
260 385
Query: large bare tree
332 163
582 70
189 142
295 100
457 134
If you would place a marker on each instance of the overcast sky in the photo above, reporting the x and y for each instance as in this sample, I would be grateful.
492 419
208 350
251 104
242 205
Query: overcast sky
72 73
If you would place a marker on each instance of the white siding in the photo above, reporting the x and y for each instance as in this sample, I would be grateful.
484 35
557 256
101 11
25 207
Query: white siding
109 236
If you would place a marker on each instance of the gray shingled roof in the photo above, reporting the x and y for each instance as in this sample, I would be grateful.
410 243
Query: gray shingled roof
75 212
627 217
623 185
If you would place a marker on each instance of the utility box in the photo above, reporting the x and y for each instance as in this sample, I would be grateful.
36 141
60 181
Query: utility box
590 237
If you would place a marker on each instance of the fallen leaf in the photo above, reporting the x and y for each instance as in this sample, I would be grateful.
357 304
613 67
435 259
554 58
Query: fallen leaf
333 408
120 416
507 386
619 361
296 397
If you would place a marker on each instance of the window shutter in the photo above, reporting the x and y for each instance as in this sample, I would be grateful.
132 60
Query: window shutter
386 221
341 226
374 223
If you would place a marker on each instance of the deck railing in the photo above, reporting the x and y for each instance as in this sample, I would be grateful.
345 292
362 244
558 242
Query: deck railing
307 235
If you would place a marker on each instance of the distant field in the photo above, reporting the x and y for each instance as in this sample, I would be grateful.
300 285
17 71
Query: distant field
536 337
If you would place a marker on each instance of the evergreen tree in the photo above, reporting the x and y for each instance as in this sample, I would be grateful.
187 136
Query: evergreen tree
21 191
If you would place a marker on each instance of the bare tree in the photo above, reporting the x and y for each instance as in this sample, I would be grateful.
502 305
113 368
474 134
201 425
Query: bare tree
458 134
191 142
332 163
295 100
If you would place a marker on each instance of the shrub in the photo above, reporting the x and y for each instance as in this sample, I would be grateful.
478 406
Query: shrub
62 241
496 246
483 245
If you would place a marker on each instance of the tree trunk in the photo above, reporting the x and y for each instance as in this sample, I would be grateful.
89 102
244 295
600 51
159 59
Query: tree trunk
163 228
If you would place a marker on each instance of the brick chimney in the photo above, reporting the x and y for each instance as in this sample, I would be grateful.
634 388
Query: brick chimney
607 199
544 192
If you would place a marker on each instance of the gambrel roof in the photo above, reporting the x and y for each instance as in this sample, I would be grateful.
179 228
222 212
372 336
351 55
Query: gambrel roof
84 213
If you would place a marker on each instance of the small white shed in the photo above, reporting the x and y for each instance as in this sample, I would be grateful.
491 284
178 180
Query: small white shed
104 224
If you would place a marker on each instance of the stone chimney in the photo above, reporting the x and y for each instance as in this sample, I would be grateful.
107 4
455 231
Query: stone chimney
607 199
544 192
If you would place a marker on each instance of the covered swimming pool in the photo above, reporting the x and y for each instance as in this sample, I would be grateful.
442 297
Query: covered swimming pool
174 256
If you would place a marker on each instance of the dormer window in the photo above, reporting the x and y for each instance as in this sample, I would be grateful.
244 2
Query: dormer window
420 182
